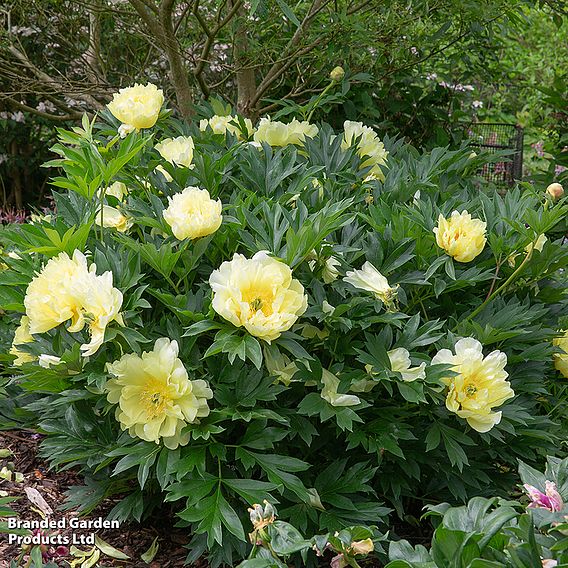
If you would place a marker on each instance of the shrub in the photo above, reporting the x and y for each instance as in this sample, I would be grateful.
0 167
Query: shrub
336 344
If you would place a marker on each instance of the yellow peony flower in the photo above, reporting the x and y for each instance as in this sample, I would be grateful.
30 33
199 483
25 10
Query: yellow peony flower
369 146
371 280
192 214
330 394
222 124
50 297
100 305
277 133
258 293
112 218
21 337
462 237
178 151
561 359
480 385
67 289
137 107
299 131
155 397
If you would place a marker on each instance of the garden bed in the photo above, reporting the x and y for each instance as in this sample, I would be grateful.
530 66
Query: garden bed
132 539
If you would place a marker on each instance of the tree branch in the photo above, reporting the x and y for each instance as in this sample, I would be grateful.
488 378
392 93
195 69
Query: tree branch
211 34
47 115
279 68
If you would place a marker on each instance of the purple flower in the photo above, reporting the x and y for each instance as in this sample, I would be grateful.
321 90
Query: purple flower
549 500
559 170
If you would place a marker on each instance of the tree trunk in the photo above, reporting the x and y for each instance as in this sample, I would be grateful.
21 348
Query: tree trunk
246 80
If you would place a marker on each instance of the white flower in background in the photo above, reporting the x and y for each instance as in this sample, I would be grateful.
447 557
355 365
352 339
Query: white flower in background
277 133
371 280
21 337
280 366
192 214
330 270
369 146
178 151
118 190
330 394
400 362
112 218
46 361
125 129
222 124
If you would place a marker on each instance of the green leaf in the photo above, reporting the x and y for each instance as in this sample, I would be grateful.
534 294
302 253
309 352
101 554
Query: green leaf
288 12
109 550
149 555
286 539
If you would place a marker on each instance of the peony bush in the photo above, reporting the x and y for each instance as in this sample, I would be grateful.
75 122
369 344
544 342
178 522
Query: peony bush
217 316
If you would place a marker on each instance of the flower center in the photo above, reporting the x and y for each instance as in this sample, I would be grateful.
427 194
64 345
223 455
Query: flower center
470 390
153 401
259 300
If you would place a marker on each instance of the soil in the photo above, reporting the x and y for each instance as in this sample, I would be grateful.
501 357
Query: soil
131 539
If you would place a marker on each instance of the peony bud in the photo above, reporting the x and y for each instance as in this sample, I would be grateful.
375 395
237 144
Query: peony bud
192 214
337 74
555 190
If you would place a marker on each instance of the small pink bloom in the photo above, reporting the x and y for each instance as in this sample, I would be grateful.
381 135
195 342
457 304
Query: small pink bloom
550 499
338 561
549 563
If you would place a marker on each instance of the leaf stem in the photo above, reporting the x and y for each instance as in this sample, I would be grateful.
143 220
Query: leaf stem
492 295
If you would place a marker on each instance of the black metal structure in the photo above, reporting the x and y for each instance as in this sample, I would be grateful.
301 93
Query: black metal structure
494 137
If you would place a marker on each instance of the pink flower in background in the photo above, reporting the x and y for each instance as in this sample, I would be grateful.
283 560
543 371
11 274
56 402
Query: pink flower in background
477 104
538 147
548 563
549 500
11 215
559 170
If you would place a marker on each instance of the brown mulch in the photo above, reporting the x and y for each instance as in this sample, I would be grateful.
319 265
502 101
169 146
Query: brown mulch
132 539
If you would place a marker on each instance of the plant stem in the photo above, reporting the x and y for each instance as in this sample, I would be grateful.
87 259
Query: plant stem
493 282
316 102
504 285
